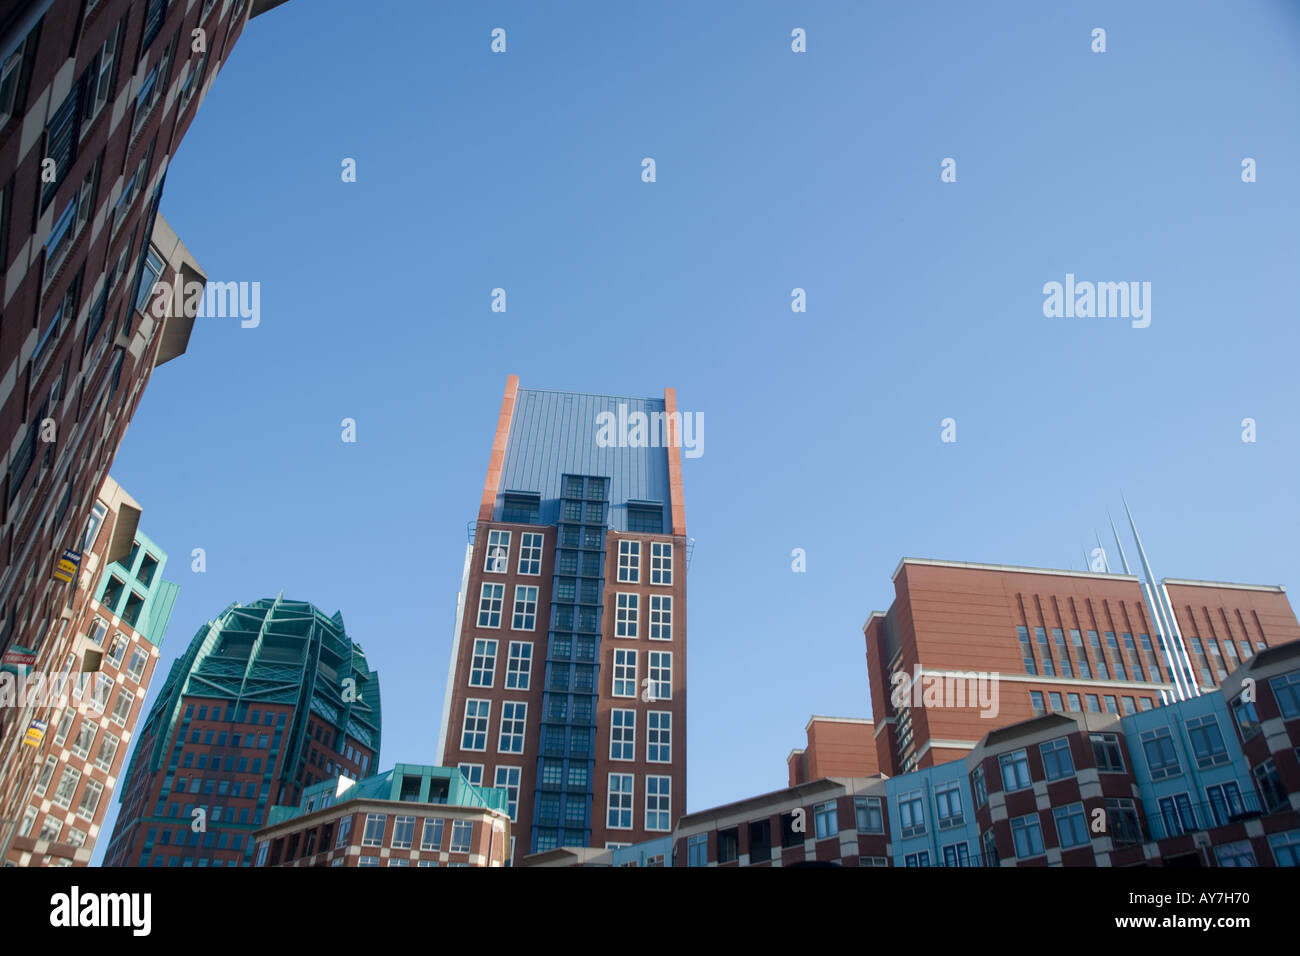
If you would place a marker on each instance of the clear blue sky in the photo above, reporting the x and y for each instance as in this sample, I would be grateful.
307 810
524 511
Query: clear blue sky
775 171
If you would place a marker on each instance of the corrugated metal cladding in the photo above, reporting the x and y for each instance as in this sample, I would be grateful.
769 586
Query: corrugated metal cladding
554 434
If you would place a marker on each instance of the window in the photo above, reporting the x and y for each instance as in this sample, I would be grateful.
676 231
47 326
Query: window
697 850
1071 825
192 82
1176 812
989 844
99 87
1036 701
729 845
85 737
947 804
1247 719
98 631
1015 770
979 786
1207 742
1162 759
1271 792
658 802
1027 836
661 675
367 861
462 836
659 736
67 787
956 854
122 706
475 732
1106 752
1122 818
870 817
497 560
520 508
513 722
1225 802
629 562
403 832
47 772
51 827
1076 706
826 819
1287 691
431 835
911 814
661 562
530 553
1130 706
661 617
374 831
645 518
489 605
624 673
917 859
622 734
1112 705
1094 703
155 83
1058 705
1286 848
1235 854
139 658
620 801
1057 762
507 779
519 665
1026 650
483 665
626 619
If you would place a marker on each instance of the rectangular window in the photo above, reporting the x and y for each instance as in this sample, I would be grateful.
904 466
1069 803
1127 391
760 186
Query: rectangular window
1286 848
67 787
525 616
947 804
139 658
519 665
661 562
1225 802
619 815
431 835
530 553
462 836
911 814
661 675
403 832
1026 650
1057 762
472 772
1036 701
1045 651
626 619
85 738
521 508
697 849
979 787
1271 792
507 779
1076 705
374 832
625 673
622 734
659 747
629 561
47 773
1286 690
1015 771
1243 711
661 617
917 859
489 606
956 854
1162 758
1122 818
1235 854
513 722
826 819
475 732
122 706
870 817
1176 813
658 803
483 665
1107 753
497 559
1027 835
1094 703
1071 825
1207 742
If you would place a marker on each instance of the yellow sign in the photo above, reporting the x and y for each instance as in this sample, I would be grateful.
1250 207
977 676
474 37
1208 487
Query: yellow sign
68 564
35 733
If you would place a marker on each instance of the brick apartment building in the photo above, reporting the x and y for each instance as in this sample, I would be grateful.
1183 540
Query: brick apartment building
567 684
269 699
837 747
412 815
63 760
95 96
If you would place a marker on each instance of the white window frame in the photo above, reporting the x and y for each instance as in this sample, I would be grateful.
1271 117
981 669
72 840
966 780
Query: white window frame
661 563
660 674
628 610
491 603
526 596
487 669
513 727
659 735
619 801
622 733
519 667
496 557
530 553
661 617
625 663
658 802
629 561
472 772
482 715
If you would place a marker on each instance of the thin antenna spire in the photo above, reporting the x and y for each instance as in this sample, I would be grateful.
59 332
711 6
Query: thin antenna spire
1105 560
1122 556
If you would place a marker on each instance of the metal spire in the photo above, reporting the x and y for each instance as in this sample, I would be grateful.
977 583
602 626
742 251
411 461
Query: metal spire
1123 558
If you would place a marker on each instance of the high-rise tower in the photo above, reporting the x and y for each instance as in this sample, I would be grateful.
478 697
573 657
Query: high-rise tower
567 684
